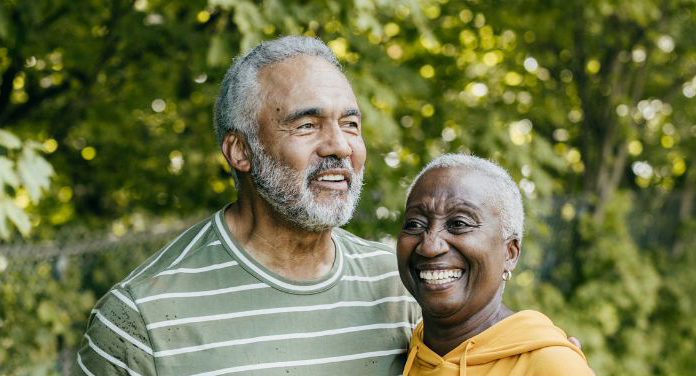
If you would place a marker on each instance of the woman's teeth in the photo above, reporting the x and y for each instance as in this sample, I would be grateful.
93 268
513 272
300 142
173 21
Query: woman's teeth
439 277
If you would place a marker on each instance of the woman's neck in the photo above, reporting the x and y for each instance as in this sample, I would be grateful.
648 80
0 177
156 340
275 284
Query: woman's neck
444 335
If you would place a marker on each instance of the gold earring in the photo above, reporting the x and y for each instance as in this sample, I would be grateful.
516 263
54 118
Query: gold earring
507 275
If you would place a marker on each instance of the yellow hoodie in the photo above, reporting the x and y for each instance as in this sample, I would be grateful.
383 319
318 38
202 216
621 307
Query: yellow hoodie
525 343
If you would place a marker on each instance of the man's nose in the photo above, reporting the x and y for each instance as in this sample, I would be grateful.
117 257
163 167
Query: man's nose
334 142
432 244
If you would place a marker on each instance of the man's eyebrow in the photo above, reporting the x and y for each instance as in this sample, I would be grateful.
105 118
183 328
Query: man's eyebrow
302 112
315 111
351 112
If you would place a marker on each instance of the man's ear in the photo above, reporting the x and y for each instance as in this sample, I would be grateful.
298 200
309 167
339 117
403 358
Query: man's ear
512 253
236 152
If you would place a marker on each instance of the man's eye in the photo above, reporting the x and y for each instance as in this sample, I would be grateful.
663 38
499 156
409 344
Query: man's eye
351 126
306 126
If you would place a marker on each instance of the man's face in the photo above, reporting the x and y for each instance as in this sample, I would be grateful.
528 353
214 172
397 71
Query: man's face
309 157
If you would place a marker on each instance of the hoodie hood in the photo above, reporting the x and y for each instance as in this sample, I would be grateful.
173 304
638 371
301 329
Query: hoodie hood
519 333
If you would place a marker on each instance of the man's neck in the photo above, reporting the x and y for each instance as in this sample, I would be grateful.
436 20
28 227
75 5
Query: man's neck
277 244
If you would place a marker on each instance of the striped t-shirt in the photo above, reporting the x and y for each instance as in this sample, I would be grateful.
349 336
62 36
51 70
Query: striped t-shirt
203 306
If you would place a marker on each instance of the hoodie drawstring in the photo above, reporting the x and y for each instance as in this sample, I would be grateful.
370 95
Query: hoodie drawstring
462 359
409 361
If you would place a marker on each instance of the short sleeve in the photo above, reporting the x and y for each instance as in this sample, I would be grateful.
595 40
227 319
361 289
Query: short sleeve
558 360
116 341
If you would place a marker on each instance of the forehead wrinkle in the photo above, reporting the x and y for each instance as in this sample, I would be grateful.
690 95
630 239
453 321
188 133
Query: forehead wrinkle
441 205
462 202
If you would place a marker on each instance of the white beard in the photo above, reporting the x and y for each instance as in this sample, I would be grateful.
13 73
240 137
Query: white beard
288 192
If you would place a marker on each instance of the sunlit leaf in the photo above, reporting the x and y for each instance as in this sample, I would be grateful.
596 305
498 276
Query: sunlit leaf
218 52
35 172
9 211
9 140
7 173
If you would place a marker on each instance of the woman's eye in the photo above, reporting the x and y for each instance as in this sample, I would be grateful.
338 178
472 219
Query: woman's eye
459 224
413 226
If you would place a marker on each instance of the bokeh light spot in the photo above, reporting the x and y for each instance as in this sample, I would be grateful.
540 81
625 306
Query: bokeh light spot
392 159
567 212
65 194
391 29
635 147
203 16
427 71
395 51
678 167
50 145
593 66
88 153
428 110
158 105
667 141
513 78
339 46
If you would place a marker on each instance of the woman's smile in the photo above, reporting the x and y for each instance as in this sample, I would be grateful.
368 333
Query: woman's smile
438 279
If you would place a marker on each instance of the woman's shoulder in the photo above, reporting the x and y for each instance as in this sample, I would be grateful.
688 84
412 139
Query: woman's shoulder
547 348
557 360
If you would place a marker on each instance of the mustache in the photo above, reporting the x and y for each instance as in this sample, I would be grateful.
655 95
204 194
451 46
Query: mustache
328 163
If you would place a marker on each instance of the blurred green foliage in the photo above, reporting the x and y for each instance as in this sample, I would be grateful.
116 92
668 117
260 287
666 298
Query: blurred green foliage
589 104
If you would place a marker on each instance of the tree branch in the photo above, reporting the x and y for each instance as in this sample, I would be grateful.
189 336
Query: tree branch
6 87
16 113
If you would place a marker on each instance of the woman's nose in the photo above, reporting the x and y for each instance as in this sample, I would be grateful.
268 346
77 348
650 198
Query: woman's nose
432 244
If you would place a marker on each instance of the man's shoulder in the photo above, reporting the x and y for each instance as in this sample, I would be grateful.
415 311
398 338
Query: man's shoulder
356 244
175 254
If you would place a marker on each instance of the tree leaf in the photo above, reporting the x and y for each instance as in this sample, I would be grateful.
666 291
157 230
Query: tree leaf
35 172
9 140
4 228
218 52
17 216
7 173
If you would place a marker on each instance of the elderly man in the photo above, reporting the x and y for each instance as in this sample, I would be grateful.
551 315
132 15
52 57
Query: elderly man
268 285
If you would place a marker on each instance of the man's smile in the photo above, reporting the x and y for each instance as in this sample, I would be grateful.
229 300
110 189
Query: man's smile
333 179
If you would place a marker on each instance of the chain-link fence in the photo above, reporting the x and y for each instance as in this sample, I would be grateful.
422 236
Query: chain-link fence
47 291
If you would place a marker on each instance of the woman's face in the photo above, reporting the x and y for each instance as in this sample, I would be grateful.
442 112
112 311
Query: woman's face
451 252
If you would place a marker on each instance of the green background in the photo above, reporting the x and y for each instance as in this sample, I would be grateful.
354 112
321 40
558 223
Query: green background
107 148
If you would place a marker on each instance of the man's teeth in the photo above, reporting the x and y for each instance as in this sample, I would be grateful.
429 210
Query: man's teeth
331 178
439 277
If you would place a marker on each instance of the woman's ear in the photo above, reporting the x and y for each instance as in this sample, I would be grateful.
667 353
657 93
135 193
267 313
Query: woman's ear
236 152
512 253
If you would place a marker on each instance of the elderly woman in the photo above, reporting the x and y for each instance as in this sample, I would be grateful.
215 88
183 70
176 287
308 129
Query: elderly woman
459 244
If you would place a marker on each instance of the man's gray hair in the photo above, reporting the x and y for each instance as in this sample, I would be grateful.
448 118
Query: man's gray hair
504 195
239 100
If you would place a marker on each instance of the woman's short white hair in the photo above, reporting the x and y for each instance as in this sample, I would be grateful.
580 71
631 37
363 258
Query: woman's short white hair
504 195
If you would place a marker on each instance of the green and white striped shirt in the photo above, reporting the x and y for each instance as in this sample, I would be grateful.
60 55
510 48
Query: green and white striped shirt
203 306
